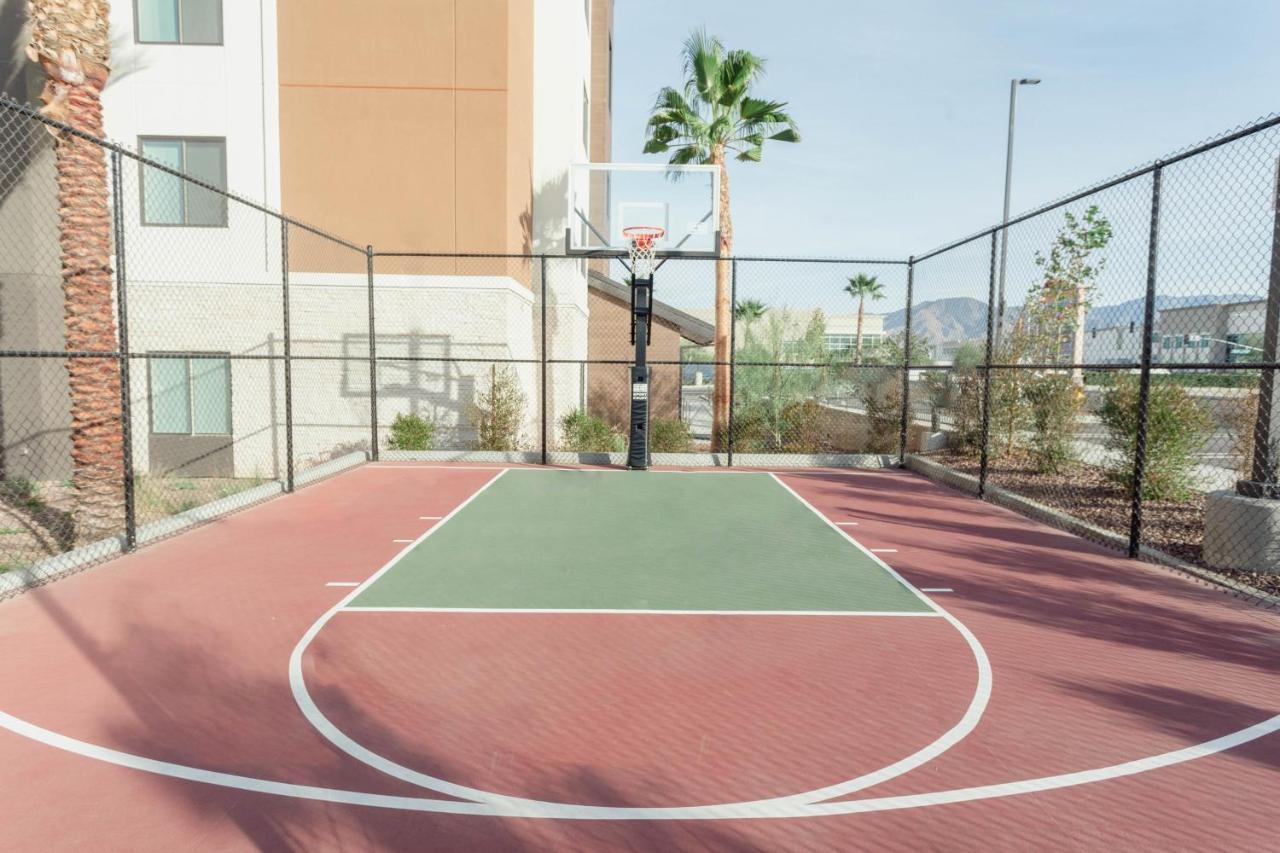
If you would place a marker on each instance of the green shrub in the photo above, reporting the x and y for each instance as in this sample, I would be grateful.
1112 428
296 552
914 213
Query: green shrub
670 436
882 400
1055 405
585 433
411 432
498 412
1176 427
802 428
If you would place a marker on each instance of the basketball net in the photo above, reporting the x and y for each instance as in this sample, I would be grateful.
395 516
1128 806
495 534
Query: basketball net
642 241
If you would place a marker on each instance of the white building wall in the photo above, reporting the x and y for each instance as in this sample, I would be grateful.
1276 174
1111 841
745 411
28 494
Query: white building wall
218 290
562 76
229 91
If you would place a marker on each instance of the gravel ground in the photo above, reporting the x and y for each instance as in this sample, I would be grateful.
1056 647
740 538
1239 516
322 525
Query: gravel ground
1083 491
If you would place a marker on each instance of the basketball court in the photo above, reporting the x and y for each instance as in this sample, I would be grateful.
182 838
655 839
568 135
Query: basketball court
502 657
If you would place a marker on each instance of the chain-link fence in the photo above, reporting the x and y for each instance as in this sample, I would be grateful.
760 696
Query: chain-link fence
170 352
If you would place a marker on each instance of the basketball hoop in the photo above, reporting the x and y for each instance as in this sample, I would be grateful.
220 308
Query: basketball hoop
642 241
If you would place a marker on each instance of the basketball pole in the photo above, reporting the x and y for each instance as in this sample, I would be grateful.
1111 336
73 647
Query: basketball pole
641 328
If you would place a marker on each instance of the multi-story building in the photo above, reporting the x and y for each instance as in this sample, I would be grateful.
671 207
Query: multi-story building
439 125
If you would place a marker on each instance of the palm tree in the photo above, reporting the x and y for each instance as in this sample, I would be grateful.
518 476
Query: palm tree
713 117
69 40
749 311
863 287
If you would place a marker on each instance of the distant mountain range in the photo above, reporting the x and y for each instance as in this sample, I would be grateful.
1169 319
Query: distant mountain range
958 318
961 318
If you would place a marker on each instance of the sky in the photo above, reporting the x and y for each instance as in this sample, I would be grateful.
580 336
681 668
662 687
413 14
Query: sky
904 107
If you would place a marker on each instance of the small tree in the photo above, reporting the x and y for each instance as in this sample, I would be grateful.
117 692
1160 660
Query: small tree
769 414
1176 427
1059 309
1056 403
411 432
498 412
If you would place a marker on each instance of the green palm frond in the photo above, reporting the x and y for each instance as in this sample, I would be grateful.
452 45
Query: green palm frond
714 111
863 286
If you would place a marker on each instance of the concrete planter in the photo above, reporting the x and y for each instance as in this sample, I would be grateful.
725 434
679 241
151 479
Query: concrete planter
1242 533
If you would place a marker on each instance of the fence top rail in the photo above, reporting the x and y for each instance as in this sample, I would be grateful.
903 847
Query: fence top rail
30 112
566 256
1177 157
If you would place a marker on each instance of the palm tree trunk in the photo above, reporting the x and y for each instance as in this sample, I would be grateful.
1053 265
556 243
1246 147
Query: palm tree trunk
721 393
70 42
857 355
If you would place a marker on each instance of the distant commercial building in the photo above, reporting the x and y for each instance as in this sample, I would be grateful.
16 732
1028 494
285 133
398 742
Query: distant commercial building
1226 333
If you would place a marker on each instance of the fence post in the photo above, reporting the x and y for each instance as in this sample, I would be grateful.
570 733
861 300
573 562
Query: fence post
373 362
992 308
1144 382
122 322
288 363
906 366
543 360
1266 429
733 351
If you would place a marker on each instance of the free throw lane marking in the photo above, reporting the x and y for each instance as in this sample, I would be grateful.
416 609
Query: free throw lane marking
624 611
884 550
846 524
343 583
430 517
402 541
936 589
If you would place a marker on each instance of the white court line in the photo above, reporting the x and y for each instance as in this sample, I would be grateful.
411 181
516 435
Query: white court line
343 583
936 589
846 524
426 804
884 550
624 611
430 517
401 541
344 742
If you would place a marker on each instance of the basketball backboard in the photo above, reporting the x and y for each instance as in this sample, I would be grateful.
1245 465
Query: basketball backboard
605 198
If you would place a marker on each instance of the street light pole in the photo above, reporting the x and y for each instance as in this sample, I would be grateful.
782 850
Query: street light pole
1008 188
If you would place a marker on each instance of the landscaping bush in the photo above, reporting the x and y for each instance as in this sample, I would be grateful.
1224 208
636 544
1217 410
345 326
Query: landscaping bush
670 436
585 433
411 432
1055 404
802 428
498 412
882 400
1176 426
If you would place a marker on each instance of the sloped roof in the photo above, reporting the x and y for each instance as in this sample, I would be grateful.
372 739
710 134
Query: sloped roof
690 327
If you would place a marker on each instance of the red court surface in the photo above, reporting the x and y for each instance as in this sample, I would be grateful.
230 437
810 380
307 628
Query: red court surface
148 702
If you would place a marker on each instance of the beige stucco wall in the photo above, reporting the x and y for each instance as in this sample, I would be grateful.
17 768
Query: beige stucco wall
416 135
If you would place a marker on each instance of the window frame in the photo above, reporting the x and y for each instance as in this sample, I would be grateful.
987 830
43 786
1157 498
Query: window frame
148 163
222 29
188 357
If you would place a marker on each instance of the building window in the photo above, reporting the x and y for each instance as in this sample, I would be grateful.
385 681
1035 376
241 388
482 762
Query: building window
190 396
168 199
177 21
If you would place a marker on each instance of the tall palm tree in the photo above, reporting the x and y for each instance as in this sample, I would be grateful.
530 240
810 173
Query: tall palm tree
863 287
713 118
69 40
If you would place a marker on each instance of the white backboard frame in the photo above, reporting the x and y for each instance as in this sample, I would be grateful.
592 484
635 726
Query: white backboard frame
606 239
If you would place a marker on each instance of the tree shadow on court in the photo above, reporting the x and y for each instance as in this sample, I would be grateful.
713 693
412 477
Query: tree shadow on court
182 698
1192 717
1022 571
